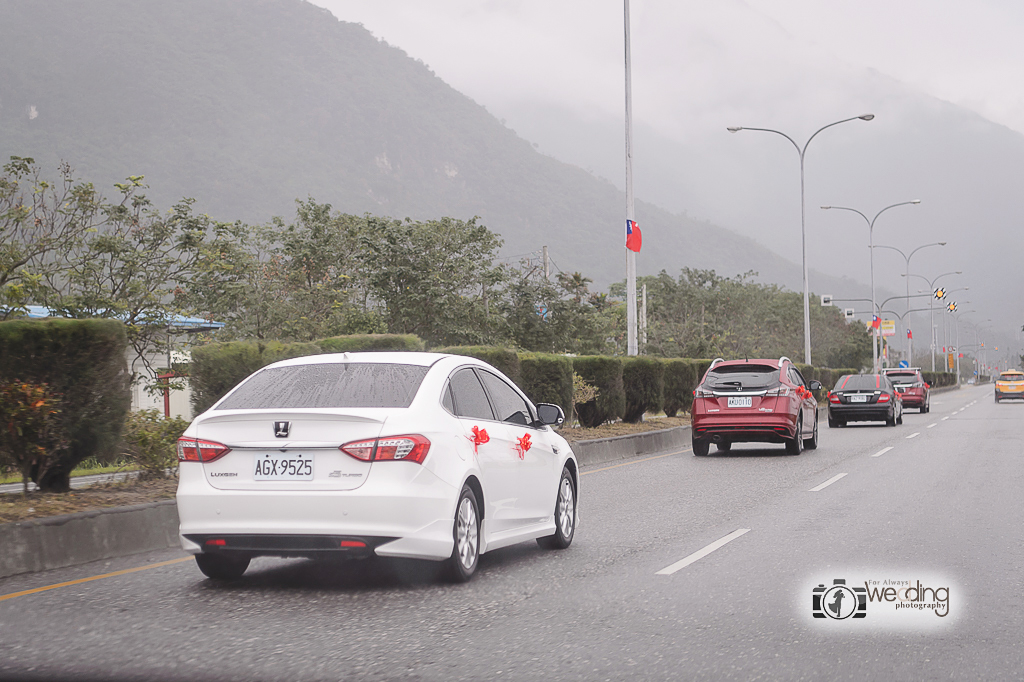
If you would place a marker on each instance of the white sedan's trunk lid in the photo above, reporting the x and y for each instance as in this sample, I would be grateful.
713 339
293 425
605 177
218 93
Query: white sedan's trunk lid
288 449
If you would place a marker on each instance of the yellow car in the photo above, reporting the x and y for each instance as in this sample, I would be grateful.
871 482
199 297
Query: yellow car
1010 385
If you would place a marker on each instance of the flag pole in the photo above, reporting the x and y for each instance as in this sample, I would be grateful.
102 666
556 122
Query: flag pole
631 335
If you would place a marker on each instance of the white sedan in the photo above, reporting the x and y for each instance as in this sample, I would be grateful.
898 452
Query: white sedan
416 455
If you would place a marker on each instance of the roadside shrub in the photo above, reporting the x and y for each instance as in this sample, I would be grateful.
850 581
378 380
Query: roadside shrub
219 367
151 440
604 373
939 379
643 380
679 381
31 438
83 362
504 359
547 379
371 342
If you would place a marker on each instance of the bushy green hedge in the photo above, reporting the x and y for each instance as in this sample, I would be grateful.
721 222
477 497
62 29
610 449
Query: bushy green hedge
939 379
643 380
219 367
504 359
546 379
606 374
371 342
680 380
82 361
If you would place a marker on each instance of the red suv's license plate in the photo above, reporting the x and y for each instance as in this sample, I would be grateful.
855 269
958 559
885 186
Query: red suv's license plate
741 401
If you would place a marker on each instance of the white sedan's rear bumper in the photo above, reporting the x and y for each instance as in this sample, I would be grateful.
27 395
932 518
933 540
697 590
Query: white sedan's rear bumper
399 500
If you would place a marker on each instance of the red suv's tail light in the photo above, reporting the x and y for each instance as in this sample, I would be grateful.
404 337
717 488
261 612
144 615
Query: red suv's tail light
780 392
701 392
407 448
198 450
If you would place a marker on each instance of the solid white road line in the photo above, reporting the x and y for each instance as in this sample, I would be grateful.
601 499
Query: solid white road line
931 425
914 435
700 554
826 483
882 451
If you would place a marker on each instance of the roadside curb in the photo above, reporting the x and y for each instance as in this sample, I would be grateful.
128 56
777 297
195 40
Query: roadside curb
73 539
603 450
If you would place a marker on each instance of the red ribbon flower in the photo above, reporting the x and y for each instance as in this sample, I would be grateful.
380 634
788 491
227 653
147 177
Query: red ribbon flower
479 438
523 445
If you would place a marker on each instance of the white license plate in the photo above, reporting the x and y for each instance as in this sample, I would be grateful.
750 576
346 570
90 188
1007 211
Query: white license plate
741 402
283 466
858 398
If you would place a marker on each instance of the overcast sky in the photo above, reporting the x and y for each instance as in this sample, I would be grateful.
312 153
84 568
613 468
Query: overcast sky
708 59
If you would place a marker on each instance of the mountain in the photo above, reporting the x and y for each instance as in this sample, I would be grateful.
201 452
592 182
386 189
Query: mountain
248 105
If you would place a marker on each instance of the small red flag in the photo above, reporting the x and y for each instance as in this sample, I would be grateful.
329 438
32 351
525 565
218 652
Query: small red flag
633 236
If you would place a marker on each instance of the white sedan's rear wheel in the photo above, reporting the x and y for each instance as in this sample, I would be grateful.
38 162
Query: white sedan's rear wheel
466 532
565 515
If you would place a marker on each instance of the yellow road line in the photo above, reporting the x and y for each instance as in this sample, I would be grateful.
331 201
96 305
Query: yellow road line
95 577
636 461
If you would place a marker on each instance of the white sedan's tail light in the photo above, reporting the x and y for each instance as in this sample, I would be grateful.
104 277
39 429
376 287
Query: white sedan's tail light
198 450
407 448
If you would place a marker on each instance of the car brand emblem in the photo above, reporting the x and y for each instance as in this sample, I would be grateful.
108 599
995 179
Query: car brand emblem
281 429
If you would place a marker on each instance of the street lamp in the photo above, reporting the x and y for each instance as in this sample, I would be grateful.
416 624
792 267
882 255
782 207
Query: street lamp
910 354
803 232
871 245
931 315
957 318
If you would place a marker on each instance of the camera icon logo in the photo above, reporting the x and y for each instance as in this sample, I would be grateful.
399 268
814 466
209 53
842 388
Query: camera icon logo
838 601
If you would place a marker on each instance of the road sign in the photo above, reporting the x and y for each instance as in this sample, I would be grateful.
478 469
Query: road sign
940 294
849 313
888 327
826 299
904 364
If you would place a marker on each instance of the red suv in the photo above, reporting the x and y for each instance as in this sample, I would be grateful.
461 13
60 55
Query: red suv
911 386
759 401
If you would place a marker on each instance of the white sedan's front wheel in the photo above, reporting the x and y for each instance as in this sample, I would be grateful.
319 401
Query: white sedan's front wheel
565 515
466 532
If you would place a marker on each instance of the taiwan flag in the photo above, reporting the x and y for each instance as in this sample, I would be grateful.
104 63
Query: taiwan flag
875 322
633 237
910 334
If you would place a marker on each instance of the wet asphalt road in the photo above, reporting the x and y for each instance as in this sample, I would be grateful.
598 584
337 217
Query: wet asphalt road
944 504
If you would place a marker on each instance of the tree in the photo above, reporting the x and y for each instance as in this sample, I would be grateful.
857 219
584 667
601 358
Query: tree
39 222
435 278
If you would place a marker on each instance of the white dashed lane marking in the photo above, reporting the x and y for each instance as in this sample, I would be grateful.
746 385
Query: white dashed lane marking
944 419
914 435
882 451
700 554
826 483
931 425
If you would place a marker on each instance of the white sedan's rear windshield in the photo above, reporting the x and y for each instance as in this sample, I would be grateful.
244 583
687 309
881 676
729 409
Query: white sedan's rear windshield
361 384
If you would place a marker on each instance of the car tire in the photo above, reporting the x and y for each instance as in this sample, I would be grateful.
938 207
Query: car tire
565 514
899 419
891 421
833 423
812 442
700 447
724 446
927 406
997 400
461 565
795 445
222 567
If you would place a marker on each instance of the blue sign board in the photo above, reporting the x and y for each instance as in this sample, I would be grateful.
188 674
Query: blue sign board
904 363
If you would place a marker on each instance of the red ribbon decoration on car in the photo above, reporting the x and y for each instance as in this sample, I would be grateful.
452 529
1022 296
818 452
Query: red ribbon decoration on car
479 438
523 445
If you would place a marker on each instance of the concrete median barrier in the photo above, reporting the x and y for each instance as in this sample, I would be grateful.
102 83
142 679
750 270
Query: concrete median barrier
603 450
59 541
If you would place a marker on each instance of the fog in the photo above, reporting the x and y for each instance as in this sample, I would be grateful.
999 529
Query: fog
938 77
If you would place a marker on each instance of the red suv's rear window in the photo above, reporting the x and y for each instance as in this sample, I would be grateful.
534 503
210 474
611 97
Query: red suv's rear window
740 377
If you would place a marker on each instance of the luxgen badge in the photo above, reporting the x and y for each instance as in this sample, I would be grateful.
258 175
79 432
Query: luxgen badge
922 601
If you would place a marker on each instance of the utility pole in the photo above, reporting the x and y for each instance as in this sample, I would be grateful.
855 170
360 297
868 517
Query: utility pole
631 340
547 263
643 317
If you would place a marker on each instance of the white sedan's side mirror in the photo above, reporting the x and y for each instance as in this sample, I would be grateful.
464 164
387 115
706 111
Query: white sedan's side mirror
549 414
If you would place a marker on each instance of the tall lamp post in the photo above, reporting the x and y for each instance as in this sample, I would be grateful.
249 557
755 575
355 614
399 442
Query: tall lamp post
931 314
803 231
910 356
871 246
958 353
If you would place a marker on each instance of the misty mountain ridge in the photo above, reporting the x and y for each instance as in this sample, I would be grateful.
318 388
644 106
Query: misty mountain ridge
248 106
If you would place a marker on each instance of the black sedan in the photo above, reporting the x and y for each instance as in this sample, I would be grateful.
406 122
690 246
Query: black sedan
864 398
